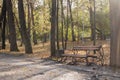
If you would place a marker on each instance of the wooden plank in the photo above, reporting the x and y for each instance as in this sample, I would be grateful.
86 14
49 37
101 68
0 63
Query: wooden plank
74 55
86 48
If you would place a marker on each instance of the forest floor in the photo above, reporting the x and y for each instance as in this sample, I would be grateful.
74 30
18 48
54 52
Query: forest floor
37 66
26 68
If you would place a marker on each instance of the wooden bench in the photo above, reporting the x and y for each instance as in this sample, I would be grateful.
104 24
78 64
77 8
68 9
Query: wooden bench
97 54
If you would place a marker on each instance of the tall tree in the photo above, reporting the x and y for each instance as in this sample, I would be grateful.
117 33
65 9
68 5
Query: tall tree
26 39
115 33
12 30
3 22
53 26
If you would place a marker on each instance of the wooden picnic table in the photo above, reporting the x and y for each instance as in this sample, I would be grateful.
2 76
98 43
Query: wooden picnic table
97 54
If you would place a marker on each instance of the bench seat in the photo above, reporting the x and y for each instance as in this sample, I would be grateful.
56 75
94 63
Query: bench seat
78 56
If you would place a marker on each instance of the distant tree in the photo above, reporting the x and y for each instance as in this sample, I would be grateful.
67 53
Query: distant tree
25 37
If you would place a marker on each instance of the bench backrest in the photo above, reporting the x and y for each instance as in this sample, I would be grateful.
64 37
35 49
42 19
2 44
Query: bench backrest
87 47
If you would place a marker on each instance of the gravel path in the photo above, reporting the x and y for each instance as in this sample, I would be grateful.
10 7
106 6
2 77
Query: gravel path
23 68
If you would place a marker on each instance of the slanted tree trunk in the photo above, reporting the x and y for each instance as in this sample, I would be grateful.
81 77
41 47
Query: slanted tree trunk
115 33
26 39
53 26
11 23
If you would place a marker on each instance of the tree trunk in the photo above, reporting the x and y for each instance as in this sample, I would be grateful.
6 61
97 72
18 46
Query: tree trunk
67 26
94 25
53 26
71 17
34 37
11 23
33 25
29 19
17 24
0 32
91 19
115 33
78 30
62 23
3 33
57 24
26 39
3 22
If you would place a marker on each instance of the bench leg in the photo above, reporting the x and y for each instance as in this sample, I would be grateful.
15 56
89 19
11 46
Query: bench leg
87 62
62 59
74 60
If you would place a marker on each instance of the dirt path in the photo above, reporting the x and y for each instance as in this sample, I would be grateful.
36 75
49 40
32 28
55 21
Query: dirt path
24 68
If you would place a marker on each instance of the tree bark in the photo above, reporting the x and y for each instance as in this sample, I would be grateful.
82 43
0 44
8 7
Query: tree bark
17 24
57 24
3 32
26 39
62 23
33 25
91 19
0 32
94 25
29 19
71 17
11 23
3 22
53 26
115 33
67 26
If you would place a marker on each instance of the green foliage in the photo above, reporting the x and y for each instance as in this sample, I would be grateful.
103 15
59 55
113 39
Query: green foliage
102 18
81 17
